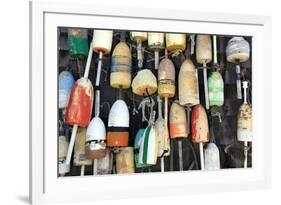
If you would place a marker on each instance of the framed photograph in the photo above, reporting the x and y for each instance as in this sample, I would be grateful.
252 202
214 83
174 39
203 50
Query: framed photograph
130 102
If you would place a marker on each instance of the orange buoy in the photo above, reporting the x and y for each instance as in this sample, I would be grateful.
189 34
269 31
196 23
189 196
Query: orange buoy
178 121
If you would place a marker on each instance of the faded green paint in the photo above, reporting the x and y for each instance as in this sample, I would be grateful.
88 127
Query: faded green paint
216 89
78 46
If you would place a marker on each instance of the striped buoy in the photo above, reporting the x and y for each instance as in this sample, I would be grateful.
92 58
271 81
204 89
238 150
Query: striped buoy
149 146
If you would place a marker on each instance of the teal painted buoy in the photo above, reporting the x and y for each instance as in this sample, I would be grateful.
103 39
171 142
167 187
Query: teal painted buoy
216 89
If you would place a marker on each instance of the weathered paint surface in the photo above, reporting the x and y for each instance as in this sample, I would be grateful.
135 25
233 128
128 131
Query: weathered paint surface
203 49
175 41
237 49
80 157
138 36
178 121
102 41
156 41
216 89
121 63
199 120
78 42
79 109
188 84
166 78
212 157
149 146
117 139
144 81
125 161
104 165
244 124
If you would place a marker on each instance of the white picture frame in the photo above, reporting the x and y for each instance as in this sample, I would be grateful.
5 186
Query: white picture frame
46 187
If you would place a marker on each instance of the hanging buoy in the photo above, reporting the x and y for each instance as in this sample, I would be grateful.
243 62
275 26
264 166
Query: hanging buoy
244 132
163 132
156 43
166 78
66 82
139 37
95 140
63 146
137 143
216 89
175 41
125 160
118 125
120 76
244 124
80 158
212 157
77 41
178 121
79 109
104 165
102 41
200 129
204 56
149 146
188 84
144 83
237 51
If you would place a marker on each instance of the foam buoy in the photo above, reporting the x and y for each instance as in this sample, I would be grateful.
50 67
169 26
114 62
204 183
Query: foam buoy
104 165
216 89
66 82
212 156
204 56
156 43
149 146
79 109
244 124
80 158
125 160
163 135
200 129
102 41
139 37
96 138
118 125
237 51
137 143
120 76
178 121
166 78
144 83
63 146
188 84
77 41
175 41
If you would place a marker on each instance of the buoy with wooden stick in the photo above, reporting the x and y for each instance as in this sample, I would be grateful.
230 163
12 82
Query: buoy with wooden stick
139 37
156 43
244 124
178 127
200 130
80 157
79 109
204 56
237 51
121 63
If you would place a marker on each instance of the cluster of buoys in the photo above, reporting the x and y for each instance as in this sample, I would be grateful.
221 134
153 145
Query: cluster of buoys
92 141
